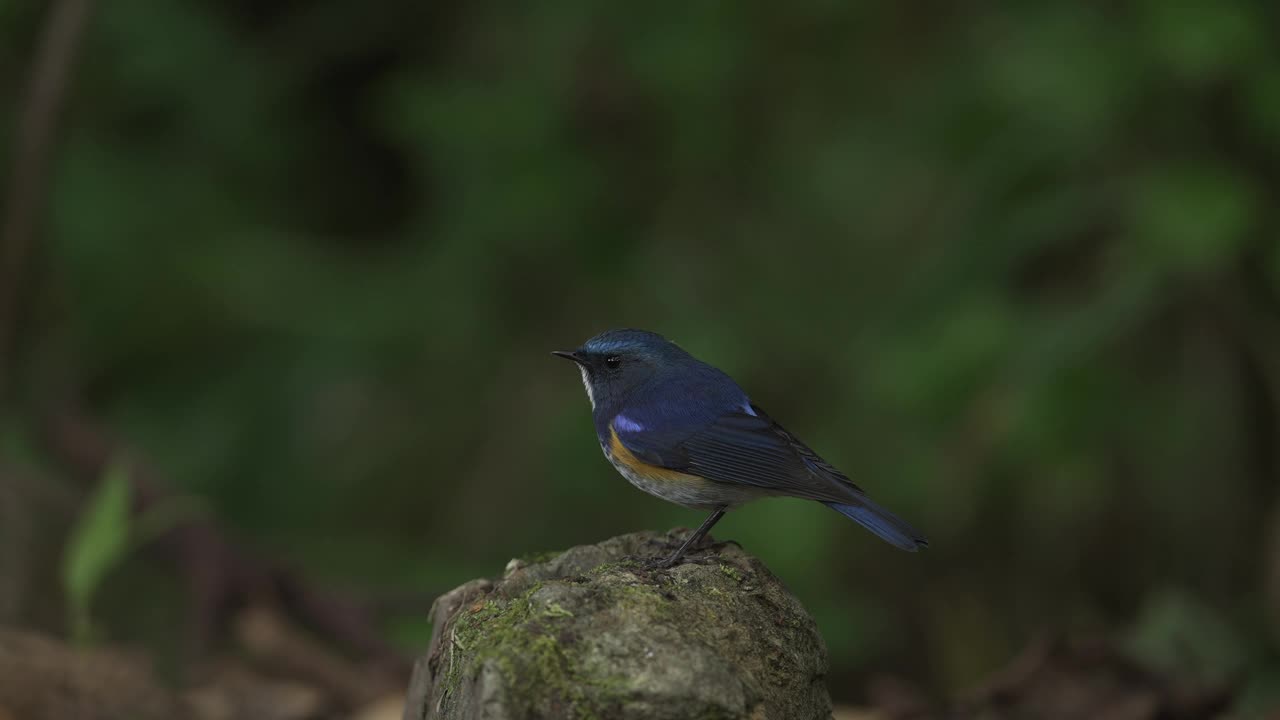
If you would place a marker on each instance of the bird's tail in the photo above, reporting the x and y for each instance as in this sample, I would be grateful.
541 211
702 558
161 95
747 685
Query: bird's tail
887 526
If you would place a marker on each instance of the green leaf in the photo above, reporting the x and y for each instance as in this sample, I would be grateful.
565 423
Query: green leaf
1193 216
98 542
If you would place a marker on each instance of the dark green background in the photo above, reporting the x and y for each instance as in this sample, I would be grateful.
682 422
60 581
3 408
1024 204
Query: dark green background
1012 266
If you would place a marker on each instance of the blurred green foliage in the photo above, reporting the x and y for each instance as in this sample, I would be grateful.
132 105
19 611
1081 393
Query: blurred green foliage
1013 267
99 542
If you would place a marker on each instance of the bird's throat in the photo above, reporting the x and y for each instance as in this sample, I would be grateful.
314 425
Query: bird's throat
586 383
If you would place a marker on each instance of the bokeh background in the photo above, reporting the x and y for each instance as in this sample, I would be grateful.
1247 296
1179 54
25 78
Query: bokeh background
1013 267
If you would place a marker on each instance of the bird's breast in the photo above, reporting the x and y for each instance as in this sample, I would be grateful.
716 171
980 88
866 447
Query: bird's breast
627 462
672 485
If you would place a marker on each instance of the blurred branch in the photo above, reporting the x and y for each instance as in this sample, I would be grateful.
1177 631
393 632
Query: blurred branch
28 180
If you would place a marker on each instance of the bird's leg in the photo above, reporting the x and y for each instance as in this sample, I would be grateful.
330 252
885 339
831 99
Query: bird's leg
692 540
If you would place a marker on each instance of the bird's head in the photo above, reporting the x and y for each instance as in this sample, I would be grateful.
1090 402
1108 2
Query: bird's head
616 362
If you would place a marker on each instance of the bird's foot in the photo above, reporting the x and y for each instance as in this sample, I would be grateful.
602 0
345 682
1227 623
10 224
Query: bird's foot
707 556
699 554
647 562
674 550
662 561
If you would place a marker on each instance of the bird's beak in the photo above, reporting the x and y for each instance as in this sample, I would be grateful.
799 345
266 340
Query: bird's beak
570 355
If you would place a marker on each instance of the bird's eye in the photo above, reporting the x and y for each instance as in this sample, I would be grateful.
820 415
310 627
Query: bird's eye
613 361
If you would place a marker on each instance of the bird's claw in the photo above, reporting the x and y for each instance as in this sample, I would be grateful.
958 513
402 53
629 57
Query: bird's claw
664 561
654 562
694 556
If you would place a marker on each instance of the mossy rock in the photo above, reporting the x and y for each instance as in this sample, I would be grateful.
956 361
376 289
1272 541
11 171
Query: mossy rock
591 633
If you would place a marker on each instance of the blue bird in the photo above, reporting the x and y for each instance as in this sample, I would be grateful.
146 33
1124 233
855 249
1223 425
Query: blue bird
684 431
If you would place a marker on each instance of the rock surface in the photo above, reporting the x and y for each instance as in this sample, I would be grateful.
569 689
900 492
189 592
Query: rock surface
592 633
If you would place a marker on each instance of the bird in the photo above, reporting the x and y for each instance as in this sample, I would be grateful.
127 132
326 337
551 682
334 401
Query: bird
684 431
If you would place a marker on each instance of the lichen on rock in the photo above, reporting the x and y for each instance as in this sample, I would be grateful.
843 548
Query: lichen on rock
592 633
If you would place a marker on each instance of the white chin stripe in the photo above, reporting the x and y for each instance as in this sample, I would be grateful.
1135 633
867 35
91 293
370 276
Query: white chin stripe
586 383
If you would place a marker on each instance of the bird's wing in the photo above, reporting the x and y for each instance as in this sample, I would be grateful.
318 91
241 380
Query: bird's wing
751 449
743 449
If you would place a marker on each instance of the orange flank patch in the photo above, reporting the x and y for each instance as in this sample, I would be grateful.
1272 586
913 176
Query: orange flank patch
623 456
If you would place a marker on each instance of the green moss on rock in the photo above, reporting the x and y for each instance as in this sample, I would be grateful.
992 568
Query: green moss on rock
731 572
591 633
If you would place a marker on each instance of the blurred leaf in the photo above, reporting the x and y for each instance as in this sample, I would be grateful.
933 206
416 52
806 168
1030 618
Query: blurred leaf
1200 40
1193 216
1260 695
1177 632
1262 103
963 349
98 543
1058 68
